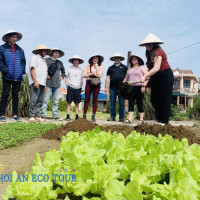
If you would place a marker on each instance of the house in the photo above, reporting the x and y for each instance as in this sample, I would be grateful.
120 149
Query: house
62 93
185 87
102 98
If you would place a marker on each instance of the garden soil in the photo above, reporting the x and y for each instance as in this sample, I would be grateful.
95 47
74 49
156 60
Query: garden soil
81 125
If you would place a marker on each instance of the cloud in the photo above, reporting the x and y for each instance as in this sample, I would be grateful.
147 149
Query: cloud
86 27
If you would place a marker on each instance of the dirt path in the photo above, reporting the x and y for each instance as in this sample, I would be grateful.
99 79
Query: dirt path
21 158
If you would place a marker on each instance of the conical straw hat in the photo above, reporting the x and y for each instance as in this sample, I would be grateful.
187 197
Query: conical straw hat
117 55
41 47
5 39
131 57
101 57
61 54
76 57
151 38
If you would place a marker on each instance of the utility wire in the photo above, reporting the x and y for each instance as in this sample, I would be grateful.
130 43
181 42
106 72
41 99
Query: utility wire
183 48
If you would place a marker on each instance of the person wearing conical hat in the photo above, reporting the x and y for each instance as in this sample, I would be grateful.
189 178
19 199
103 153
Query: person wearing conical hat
12 67
116 74
161 78
37 81
56 73
134 73
93 72
74 83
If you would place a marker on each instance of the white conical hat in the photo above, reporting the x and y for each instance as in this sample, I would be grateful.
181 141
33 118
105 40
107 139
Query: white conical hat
96 55
61 54
41 47
76 57
5 39
131 57
117 55
151 38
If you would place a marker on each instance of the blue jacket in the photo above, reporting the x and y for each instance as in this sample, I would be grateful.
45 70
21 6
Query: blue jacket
12 64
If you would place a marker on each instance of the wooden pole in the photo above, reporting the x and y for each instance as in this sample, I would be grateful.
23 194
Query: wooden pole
128 65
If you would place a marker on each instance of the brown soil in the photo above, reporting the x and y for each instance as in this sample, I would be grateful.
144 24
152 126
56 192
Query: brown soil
81 125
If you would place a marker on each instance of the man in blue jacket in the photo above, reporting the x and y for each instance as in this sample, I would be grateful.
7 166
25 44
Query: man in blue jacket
12 67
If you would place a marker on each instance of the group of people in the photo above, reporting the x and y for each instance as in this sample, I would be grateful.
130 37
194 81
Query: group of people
45 75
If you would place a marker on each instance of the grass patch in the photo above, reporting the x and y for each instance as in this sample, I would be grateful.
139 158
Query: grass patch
62 114
12 134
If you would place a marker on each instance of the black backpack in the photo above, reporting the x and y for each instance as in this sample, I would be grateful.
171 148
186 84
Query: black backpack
52 69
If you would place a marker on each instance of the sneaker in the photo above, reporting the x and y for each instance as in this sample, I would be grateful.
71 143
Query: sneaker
76 118
121 119
68 119
84 116
159 123
58 118
17 119
93 118
2 119
111 119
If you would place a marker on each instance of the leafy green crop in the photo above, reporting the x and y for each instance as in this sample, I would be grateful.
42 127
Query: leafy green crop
110 167
12 134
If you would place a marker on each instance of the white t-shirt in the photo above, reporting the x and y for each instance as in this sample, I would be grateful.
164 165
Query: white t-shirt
40 66
74 75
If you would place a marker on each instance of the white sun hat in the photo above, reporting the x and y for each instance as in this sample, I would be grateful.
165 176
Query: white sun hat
61 54
41 47
151 38
76 57
131 57
96 55
117 55
5 39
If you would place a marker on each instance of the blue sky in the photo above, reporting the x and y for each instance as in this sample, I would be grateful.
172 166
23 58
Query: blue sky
87 27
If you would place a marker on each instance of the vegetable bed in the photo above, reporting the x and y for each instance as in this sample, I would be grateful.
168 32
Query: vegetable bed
111 167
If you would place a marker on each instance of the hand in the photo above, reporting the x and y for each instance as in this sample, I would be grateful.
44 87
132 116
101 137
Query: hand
60 78
106 90
143 90
36 85
143 79
45 89
48 77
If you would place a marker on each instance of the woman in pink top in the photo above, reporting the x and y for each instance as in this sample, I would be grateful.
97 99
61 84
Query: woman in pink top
134 73
95 70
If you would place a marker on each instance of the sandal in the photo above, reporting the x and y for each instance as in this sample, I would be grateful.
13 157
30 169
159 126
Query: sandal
32 119
141 122
127 121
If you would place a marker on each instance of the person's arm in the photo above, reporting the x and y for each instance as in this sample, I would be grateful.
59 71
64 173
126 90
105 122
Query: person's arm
87 72
81 82
36 85
3 66
107 82
99 71
62 72
145 71
66 80
23 62
154 70
126 77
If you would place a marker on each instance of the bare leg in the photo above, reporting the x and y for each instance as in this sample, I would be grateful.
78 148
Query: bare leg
130 116
76 108
68 108
141 116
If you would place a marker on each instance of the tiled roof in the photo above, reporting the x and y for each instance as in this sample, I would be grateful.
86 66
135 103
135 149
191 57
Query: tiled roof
183 71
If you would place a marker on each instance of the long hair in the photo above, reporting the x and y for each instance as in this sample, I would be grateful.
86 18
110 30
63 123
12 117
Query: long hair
99 61
150 55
